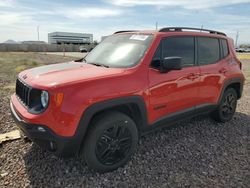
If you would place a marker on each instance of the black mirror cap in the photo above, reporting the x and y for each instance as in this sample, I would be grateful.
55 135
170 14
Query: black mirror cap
171 63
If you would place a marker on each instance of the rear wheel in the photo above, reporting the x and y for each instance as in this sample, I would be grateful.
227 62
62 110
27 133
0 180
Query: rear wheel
110 142
226 109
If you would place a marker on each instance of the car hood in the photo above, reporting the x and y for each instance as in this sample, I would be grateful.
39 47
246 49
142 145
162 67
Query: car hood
64 73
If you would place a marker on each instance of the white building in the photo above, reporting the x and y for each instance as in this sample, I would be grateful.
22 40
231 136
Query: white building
69 38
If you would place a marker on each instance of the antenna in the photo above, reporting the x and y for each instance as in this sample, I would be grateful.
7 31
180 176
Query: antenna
201 27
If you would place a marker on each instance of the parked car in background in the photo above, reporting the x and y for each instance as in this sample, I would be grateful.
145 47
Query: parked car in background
242 50
83 49
247 50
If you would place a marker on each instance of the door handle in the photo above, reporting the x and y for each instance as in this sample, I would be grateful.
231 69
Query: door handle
192 76
223 70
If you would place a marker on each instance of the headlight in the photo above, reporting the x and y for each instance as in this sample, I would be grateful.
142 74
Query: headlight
44 98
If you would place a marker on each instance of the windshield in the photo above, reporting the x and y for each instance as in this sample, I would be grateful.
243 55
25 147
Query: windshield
125 50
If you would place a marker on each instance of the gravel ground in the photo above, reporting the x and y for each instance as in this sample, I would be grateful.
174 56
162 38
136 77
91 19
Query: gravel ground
196 153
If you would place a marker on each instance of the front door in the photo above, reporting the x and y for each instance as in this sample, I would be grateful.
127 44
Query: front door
175 90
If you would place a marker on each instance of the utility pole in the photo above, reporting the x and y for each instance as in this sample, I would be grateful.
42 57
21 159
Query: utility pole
156 26
237 37
38 37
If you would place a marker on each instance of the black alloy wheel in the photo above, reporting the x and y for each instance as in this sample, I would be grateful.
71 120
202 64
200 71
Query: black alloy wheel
113 144
110 142
227 106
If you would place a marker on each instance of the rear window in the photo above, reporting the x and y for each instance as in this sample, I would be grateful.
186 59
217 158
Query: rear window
208 50
225 49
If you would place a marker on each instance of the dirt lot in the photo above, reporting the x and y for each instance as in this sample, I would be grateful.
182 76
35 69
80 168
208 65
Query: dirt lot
197 153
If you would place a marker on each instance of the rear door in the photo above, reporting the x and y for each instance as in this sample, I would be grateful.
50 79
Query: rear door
175 90
213 69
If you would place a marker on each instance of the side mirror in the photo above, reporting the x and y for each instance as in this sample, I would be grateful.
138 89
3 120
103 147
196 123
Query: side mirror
171 63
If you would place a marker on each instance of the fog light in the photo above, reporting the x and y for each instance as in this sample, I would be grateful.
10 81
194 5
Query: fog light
41 129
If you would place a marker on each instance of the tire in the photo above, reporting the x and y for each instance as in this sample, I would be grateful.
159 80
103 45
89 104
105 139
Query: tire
110 142
227 107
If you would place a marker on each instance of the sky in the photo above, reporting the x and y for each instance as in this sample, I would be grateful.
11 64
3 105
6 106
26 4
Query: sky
19 19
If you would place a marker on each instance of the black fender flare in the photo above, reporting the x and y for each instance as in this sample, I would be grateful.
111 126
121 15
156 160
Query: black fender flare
229 82
89 113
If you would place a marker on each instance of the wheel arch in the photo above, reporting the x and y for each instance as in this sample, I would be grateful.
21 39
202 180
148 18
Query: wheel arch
235 83
133 106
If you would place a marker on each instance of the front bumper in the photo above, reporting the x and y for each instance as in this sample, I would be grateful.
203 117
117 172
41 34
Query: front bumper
46 138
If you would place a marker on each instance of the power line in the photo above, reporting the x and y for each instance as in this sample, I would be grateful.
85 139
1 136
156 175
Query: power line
38 37
237 37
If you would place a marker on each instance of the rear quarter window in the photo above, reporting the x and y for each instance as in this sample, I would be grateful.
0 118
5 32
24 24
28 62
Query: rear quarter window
208 50
225 50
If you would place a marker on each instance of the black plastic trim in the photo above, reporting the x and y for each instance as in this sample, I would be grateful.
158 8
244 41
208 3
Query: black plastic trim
172 118
144 127
105 105
62 146
232 81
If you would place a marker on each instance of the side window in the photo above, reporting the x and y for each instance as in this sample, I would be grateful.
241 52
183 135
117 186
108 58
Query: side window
180 47
208 50
225 49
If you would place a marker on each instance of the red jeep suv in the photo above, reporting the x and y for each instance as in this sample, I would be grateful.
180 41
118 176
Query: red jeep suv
131 83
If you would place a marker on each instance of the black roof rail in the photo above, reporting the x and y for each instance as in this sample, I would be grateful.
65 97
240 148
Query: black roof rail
170 29
126 31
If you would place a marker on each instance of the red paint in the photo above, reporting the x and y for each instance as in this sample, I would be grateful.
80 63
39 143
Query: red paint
163 93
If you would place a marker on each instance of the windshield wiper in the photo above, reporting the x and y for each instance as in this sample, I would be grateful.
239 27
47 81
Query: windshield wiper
96 64
81 60
99 65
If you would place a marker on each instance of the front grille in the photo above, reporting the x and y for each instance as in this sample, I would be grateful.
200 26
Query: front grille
23 92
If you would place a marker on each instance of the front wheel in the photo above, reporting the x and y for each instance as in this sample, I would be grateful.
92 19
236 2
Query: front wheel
226 109
110 142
